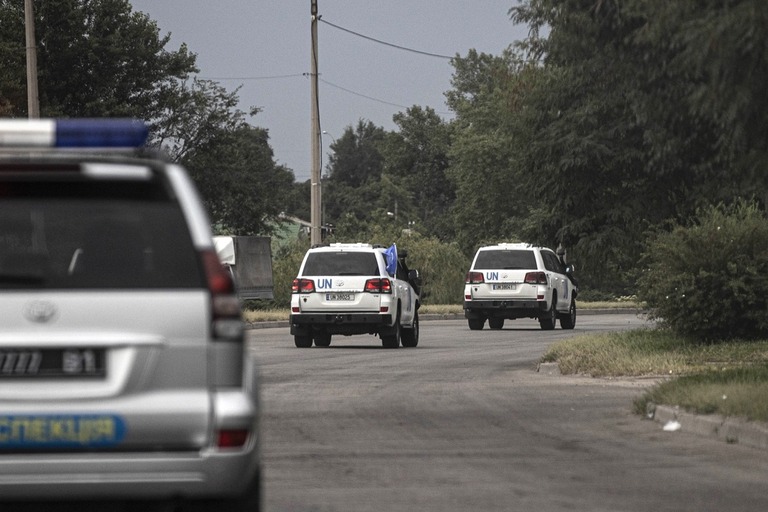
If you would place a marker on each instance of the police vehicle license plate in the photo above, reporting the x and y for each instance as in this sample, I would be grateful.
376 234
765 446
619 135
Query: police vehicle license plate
52 363
339 296
504 286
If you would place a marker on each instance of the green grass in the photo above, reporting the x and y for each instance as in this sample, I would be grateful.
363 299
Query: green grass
697 376
741 392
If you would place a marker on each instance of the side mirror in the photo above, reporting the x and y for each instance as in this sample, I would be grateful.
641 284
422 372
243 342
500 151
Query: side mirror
570 268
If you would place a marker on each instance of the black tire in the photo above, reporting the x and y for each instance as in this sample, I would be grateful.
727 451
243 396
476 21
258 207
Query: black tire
496 323
323 340
302 341
409 337
548 321
568 320
392 340
476 324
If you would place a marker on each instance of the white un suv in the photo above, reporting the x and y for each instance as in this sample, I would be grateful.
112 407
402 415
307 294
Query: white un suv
123 369
355 289
510 281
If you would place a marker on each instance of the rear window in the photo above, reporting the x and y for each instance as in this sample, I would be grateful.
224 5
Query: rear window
341 264
505 259
75 234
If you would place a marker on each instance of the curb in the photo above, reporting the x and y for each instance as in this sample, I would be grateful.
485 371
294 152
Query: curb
726 429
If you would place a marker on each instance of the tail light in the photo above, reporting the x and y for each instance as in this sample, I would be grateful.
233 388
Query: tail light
378 285
535 278
234 438
303 286
225 306
474 278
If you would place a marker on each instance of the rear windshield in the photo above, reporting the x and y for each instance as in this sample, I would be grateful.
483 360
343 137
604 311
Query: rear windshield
76 234
341 264
505 259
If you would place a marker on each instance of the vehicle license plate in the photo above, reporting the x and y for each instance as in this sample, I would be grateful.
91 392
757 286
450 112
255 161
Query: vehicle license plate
339 296
504 286
52 363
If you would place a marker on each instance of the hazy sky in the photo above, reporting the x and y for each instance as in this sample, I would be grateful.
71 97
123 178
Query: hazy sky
264 47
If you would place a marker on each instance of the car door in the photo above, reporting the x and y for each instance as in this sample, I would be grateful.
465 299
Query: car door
559 281
406 294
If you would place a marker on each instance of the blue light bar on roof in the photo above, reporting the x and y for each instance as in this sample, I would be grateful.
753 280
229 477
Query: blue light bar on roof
71 133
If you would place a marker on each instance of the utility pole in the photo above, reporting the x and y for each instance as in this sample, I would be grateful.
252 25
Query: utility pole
33 103
316 192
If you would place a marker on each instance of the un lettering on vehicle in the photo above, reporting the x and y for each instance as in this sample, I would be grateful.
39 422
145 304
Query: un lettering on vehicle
323 284
491 276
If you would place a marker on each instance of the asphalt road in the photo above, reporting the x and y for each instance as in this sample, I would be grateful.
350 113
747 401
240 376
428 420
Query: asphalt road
464 422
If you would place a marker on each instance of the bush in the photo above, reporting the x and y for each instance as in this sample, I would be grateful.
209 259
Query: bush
710 280
286 261
442 268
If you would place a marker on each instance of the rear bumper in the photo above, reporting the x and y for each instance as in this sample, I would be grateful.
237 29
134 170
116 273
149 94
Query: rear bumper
206 473
475 309
339 323
135 472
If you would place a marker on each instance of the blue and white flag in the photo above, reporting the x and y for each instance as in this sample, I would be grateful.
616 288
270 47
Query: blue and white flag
390 255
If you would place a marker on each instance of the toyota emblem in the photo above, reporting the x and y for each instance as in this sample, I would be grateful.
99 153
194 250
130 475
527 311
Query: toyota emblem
40 311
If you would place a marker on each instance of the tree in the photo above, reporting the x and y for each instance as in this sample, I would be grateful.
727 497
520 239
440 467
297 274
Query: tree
711 60
416 158
485 166
96 58
194 115
354 173
243 188
640 118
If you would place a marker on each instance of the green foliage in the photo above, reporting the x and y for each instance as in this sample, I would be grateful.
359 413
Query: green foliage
416 158
241 185
484 166
710 279
96 58
194 117
643 112
286 260
442 267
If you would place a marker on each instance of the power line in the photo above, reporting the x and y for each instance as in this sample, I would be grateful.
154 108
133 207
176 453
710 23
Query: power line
350 91
361 95
384 42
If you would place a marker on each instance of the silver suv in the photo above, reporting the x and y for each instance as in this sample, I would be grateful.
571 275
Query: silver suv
510 281
355 289
123 370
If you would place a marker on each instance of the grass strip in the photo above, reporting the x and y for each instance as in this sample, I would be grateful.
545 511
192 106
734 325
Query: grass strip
728 378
